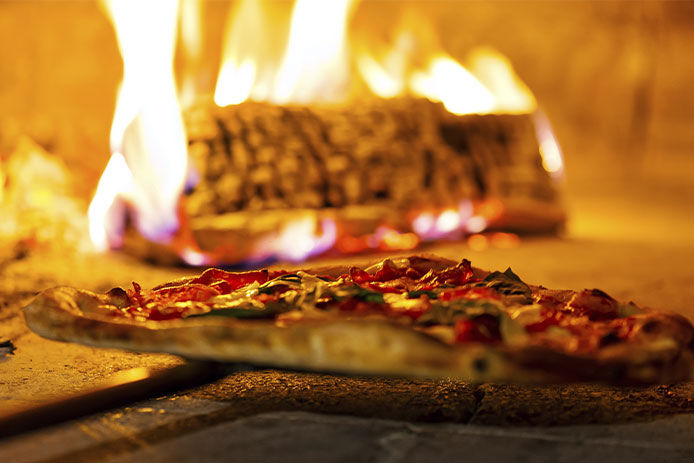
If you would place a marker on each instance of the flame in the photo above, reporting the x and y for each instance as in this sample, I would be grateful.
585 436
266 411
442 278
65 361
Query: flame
244 46
297 240
148 143
496 73
430 226
449 82
191 46
315 65
487 84
105 210
552 159
148 166
379 80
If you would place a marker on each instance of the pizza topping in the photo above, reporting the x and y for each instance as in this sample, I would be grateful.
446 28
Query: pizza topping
508 284
448 312
247 310
234 280
470 293
119 298
412 308
483 328
447 302
594 303
281 284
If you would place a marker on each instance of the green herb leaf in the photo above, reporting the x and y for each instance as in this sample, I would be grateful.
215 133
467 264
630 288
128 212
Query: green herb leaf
245 311
447 312
509 284
291 280
358 292
419 293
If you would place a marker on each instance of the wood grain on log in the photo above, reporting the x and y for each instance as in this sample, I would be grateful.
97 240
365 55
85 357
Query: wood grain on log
404 152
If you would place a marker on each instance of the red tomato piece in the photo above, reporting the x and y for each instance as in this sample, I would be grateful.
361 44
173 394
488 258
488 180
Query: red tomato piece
388 272
185 293
469 293
235 280
360 307
484 328
360 276
594 303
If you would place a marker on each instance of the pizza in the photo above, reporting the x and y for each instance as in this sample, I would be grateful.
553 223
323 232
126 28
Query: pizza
420 316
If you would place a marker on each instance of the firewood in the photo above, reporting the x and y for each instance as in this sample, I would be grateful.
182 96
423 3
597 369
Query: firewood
402 152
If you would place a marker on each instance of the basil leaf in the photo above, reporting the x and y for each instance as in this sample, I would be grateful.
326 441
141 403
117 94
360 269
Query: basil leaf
509 284
245 311
371 297
447 312
418 293
291 280
358 292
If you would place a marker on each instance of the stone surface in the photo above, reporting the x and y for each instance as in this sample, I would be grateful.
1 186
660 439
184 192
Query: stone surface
122 436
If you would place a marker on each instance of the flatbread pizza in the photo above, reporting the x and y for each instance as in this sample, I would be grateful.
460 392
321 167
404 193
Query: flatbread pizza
417 316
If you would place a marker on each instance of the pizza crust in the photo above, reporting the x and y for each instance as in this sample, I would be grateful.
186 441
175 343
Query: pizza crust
359 346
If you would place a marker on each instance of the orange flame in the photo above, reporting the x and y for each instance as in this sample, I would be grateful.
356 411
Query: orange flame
450 83
148 142
315 66
191 46
147 170
297 240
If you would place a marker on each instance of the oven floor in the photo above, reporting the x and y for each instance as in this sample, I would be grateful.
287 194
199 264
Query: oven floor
271 415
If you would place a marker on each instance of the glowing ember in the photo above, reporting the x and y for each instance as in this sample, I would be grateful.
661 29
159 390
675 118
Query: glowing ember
447 223
297 240
476 224
478 242
505 240
147 136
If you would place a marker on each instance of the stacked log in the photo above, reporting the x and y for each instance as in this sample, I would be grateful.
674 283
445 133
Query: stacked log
404 153
359 166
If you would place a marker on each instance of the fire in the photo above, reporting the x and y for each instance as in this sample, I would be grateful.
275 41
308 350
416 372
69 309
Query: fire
552 159
297 240
315 65
191 47
148 142
309 61
488 84
244 46
450 83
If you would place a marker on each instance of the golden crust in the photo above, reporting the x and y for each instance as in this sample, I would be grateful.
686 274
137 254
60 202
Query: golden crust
377 347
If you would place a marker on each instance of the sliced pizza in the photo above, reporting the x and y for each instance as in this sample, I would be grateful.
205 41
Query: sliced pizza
418 316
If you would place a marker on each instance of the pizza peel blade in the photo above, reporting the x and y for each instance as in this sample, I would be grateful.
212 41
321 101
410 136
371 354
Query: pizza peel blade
120 389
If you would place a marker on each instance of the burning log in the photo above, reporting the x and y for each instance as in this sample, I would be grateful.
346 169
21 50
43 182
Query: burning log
403 153
294 181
